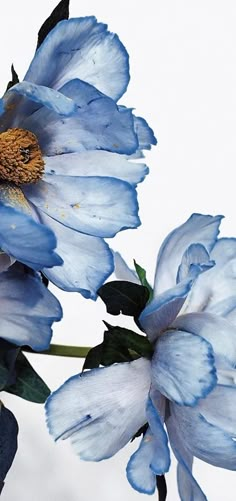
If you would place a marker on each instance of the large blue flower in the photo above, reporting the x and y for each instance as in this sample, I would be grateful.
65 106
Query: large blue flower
66 151
27 308
190 382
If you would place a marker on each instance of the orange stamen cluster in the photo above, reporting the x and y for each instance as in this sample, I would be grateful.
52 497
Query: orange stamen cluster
21 159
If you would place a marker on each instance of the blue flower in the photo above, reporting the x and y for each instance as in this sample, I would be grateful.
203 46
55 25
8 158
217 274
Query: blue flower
27 309
66 151
189 385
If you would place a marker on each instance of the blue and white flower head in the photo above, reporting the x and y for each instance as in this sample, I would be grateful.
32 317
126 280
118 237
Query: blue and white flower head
186 393
66 150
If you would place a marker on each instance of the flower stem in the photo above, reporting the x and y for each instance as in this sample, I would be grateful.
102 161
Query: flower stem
61 350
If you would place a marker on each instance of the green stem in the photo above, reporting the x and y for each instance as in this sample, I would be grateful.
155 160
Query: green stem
61 350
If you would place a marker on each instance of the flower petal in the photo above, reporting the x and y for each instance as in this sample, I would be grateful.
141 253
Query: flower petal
220 333
160 462
163 309
198 228
187 485
203 439
183 367
27 241
100 410
97 163
215 291
122 271
219 408
81 48
27 309
195 260
138 471
42 95
145 134
98 124
99 206
87 261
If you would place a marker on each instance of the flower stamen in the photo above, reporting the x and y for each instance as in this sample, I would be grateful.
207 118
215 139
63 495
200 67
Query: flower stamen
21 159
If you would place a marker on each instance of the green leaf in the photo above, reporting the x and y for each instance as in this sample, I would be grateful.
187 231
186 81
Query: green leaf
14 78
8 441
8 355
124 297
29 384
141 272
60 12
119 345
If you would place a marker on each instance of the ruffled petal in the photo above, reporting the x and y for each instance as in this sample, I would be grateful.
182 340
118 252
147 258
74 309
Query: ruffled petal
81 48
220 333
215 291
144 133
87 261
204 439
99 206
100 410
189 490
195 260
27 309
27 241
198 228
98 124
163 309
97 163
183 367
44 96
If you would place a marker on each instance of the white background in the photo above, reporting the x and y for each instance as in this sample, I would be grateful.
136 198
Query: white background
183 81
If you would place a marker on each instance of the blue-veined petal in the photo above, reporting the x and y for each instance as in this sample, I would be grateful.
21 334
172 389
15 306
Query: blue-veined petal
183 367
81 48
27 309
42 95
195 260
97 163
163 309
198 228
100 410
98 124
215 290
99 206
220 333
204 439
87 261
27 241
138 471
189 490
219 408
122 271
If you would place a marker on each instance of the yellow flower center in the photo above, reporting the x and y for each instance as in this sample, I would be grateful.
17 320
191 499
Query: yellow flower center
20 157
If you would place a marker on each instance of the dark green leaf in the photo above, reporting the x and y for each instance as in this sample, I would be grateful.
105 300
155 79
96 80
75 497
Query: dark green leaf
141 272
124 297
8 441
119 345
60 12
14 78
29 384
8 355
161 487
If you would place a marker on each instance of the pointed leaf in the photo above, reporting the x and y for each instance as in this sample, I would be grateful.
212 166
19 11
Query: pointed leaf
29 384
8 441
14 78
60 12
124 297
8 355
141 272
